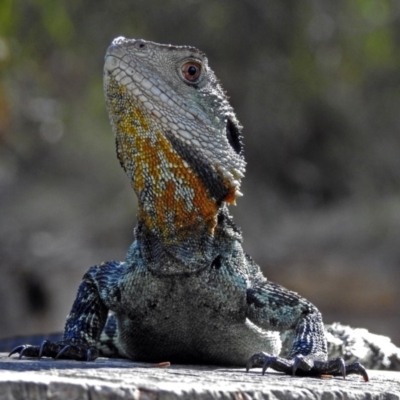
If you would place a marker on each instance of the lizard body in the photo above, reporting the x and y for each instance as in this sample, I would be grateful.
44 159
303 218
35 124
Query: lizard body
186 292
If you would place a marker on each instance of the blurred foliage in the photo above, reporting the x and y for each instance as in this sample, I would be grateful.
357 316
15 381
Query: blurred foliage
315 83
312 68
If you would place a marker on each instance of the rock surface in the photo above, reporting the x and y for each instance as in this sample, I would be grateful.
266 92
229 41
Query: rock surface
120 379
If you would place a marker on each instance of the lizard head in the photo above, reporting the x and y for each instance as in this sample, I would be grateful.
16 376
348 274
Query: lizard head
180 144
152 90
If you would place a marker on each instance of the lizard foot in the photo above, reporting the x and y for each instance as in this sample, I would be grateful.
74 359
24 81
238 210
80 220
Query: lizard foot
306 366
57 350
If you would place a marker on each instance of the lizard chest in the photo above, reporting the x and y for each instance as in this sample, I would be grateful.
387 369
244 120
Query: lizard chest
176 315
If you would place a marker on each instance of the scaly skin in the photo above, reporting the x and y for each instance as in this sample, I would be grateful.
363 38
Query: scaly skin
187 292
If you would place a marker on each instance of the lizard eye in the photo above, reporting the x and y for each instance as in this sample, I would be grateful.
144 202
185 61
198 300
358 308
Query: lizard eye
191 71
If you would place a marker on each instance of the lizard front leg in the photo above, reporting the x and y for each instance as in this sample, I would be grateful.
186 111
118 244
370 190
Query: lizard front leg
275 308
86 320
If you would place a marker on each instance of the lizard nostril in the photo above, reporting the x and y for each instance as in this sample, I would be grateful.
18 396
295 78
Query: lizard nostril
140 44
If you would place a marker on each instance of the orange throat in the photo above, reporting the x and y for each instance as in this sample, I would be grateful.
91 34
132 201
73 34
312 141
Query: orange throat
173 201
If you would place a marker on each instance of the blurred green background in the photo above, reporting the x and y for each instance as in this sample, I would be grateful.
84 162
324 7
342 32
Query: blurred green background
316 85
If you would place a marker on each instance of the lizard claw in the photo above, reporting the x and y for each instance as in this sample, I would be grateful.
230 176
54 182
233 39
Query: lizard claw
296 364
57 350
62 351
18 349
90 356
268 361
25 350
342 367
76 352
357 368
256 360
306 366
302 363
42 347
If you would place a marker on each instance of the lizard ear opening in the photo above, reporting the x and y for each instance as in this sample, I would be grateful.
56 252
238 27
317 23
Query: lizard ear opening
234 137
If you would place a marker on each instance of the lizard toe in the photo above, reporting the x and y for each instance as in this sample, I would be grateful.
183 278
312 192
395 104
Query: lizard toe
25 350
256 360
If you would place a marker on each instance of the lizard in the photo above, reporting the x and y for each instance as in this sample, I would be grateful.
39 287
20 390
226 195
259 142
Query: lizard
187 292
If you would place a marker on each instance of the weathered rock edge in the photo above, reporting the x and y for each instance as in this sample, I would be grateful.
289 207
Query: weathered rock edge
31 379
